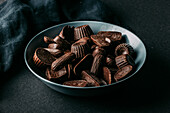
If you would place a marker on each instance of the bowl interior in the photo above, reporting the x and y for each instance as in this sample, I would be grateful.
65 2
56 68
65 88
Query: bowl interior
37 41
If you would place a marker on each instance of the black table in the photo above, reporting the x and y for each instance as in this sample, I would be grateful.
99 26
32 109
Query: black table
147 91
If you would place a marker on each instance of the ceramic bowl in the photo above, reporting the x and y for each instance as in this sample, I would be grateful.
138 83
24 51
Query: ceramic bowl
37 41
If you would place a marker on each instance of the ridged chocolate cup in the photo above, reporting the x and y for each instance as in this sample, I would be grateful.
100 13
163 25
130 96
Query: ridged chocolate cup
121 73
43 58
76 83
82 31
124 48
62 61
124 60
57 76
80 48
90 80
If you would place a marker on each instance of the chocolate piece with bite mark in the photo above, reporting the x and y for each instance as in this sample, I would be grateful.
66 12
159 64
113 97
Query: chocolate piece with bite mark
62 61
121 73
57 76
43 58
90 80
124 60
76 83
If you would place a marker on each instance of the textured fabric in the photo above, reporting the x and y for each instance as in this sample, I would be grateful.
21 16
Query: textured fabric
21 19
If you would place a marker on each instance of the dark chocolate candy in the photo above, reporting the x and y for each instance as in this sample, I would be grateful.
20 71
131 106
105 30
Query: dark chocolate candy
100 41
98 50
82 31
84 64
107 75
62 61
112 35
43 58
67 33
65 44
121 73
93 47
80 48
71 74
124 48
76 83
57 76
124 60
55 52
90 80
97 64
110 61
55 46
48 40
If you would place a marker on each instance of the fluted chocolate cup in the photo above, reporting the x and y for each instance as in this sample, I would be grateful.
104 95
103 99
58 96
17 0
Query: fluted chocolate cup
121 73
124 48
43 57
82 31
124 60
80 48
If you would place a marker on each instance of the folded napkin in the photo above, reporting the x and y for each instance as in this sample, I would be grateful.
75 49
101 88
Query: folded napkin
20 20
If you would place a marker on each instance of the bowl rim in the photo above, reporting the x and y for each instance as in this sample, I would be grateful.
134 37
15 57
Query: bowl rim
65 86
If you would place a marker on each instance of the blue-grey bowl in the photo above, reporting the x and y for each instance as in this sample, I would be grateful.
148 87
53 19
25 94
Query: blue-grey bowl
37 41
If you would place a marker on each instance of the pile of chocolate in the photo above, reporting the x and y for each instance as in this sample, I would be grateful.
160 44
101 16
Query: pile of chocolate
77 57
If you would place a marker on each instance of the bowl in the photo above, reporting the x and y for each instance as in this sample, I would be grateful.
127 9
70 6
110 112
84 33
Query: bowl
37 41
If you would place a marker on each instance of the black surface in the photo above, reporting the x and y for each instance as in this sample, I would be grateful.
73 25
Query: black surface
148 90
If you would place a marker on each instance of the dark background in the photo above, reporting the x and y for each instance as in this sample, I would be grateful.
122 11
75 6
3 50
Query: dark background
147 91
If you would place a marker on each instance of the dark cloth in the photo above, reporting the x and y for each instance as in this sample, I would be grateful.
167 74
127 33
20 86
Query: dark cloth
21 19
